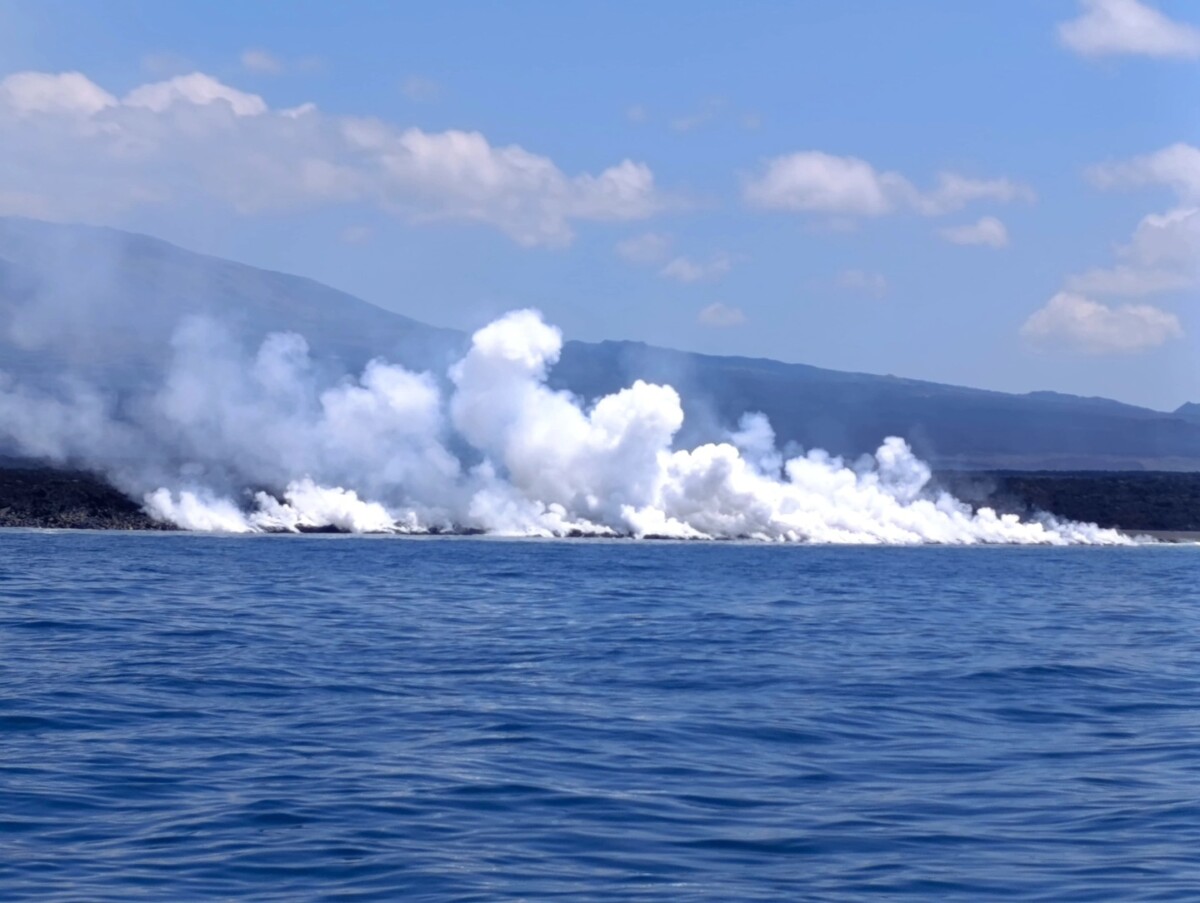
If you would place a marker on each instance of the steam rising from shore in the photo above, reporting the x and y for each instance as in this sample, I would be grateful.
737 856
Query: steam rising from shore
246 443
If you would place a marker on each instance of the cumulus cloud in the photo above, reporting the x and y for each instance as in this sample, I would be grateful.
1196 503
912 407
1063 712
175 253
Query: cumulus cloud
1176 167
873 284
30 93
987 231
1162 256
1128 27
72 150
1167 238
817 182
196 89
721 316
1079 323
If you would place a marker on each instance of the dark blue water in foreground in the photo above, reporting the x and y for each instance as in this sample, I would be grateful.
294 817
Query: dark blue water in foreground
291 718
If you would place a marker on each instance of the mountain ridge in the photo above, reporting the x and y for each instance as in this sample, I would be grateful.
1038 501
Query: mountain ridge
105 302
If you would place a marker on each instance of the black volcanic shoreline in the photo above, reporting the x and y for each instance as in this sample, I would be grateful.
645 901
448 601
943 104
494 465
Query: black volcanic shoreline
1127 500
44 497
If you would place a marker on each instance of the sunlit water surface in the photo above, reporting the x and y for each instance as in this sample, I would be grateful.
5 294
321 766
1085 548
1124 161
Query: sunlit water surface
288 718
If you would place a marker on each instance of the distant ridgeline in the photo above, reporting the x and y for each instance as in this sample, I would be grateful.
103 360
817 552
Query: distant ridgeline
102 304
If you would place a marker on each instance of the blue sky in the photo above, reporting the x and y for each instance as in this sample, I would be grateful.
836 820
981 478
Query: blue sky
999 193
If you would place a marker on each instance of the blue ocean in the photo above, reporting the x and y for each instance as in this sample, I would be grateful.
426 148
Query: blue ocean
192 717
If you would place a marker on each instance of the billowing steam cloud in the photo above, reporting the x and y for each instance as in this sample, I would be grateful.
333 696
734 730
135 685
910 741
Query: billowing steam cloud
244 443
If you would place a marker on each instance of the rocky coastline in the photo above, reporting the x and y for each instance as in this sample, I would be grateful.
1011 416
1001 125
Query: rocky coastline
1165 503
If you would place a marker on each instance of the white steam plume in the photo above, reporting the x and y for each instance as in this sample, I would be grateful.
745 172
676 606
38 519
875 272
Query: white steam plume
240 443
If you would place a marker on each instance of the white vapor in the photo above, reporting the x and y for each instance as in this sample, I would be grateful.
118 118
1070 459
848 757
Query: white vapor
249 443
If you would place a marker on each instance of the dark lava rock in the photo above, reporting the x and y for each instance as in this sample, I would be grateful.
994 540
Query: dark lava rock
67 499
1127 500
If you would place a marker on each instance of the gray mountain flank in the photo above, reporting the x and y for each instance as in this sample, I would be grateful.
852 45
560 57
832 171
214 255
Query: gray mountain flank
101 305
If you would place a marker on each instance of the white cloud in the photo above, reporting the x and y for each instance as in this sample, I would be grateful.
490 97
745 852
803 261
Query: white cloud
1177 167
261 61
987 231
873 284
1167 238
684 269
71 150
817 182
649 247
721 316
1082 324
1109 27
420 90
1164 253
30 93
953 192
637 113
1162 256
196 89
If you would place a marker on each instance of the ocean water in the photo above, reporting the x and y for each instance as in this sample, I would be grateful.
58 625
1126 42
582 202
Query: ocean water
292 718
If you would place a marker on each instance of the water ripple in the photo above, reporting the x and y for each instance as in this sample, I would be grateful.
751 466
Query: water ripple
190 717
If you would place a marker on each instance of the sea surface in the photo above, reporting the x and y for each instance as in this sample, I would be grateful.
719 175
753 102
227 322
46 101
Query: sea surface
335 718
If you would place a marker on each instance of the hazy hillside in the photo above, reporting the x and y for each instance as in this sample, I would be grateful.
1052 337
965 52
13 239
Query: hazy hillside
108 302
103 303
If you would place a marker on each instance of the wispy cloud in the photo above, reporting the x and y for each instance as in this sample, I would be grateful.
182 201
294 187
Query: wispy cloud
708 111
872 284
721 316
684 269
420 89
262 61
653 248
821 183
986 231
1128 27
258 61
649 247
